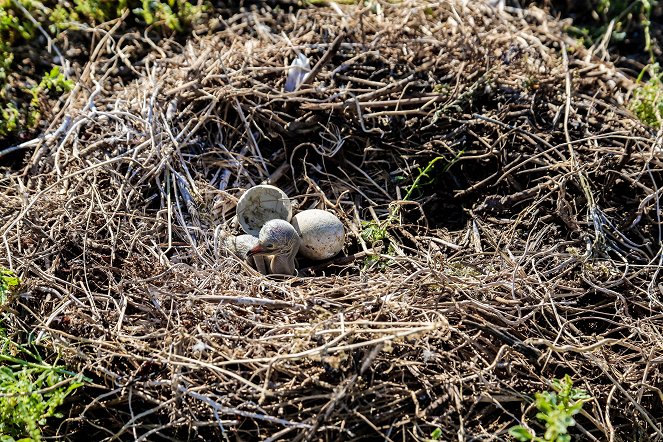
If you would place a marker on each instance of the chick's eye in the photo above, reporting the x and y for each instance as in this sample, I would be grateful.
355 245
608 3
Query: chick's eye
269 246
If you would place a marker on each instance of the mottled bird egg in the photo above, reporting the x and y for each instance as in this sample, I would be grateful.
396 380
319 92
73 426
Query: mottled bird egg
322 233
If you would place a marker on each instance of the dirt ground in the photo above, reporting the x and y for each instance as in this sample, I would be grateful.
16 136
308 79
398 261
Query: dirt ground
501 205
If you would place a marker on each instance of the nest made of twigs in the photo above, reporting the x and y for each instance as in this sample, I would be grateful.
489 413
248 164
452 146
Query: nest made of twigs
514 202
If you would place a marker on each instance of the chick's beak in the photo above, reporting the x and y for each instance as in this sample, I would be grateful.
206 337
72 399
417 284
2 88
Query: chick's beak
257 250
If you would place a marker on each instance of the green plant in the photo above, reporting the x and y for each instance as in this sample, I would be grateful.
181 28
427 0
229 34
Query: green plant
645 19
379 262
173 13
372 231
647 100
20 106
53 81
30 392
556 411
8 118
8 283
99 10
11 30
423 174
621 16
423 177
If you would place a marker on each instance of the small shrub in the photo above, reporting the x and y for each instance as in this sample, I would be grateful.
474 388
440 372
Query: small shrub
556 411
31 394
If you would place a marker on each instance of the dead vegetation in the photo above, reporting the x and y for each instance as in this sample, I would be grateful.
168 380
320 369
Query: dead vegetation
531 248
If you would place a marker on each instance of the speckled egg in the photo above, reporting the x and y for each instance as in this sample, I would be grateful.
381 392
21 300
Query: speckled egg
322 233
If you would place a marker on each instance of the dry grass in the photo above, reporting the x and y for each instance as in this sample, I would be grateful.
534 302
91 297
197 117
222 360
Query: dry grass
533 248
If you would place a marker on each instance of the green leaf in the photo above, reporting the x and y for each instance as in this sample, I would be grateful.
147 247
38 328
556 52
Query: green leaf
545 401
577 394
521 433
575 408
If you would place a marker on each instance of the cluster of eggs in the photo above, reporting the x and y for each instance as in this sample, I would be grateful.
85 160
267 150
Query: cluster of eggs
321 233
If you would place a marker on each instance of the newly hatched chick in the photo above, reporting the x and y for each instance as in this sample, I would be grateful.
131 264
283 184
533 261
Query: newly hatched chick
280 240
240 247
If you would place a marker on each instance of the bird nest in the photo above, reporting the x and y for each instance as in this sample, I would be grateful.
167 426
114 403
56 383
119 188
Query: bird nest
501 206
